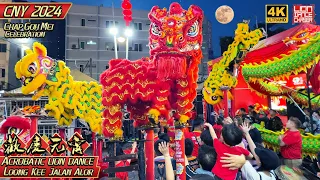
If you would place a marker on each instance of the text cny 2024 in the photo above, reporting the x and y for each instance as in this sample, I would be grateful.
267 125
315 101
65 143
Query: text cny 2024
42 159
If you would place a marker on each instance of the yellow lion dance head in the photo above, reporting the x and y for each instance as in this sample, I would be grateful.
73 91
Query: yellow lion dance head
33 69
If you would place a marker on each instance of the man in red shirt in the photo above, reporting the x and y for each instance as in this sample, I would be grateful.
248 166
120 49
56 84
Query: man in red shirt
194 135
291 144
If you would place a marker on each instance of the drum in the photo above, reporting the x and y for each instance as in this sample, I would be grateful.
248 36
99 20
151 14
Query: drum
286 173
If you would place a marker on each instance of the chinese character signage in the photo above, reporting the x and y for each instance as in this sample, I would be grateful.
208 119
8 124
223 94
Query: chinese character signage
42 159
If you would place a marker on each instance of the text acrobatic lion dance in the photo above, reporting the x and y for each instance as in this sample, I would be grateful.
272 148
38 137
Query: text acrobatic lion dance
152 87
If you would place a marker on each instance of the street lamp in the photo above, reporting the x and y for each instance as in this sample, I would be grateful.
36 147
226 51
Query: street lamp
114 32
121 39
128 33
23 43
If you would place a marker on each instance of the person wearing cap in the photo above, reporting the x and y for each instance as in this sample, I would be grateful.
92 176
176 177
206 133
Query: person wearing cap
275 123
266 159
194 135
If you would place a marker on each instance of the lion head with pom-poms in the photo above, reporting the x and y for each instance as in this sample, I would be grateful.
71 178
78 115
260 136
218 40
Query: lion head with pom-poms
18 125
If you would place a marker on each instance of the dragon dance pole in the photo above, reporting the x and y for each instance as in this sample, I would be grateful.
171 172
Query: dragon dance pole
149 150
34 124
180 153
225 100
94 147
99 147
233 105
62 133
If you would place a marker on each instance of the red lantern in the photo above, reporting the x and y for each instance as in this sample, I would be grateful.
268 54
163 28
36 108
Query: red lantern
127 18
126 5
127 13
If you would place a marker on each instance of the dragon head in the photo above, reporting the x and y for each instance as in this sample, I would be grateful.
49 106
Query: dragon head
302 37
175 39
220 76
32 70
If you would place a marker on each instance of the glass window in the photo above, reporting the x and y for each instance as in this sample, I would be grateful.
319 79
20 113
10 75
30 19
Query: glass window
3 72
81 68
83 22
138 26
81 45
107 24
3 47
140 47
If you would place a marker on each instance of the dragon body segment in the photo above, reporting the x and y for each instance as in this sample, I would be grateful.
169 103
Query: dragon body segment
68 99
303 51
152 87
310 142
220 75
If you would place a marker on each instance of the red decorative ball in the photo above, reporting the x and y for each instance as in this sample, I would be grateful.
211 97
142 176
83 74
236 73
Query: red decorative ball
127 18
127 12
126 5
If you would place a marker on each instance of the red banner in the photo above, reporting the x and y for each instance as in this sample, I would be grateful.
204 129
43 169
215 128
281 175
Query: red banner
49 167
34 10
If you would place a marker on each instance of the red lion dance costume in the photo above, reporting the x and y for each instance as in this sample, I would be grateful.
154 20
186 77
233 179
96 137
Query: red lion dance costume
152 87
20 126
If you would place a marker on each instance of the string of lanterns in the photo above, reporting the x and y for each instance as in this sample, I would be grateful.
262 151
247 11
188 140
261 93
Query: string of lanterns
127 11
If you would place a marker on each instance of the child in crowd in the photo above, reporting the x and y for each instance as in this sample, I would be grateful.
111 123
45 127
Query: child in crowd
207 159
159 160
206 138
193 162
231 138
291 143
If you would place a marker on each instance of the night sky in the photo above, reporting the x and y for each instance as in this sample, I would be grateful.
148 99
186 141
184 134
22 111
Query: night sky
245 9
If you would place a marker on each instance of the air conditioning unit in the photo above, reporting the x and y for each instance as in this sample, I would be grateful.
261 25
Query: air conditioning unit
74 46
